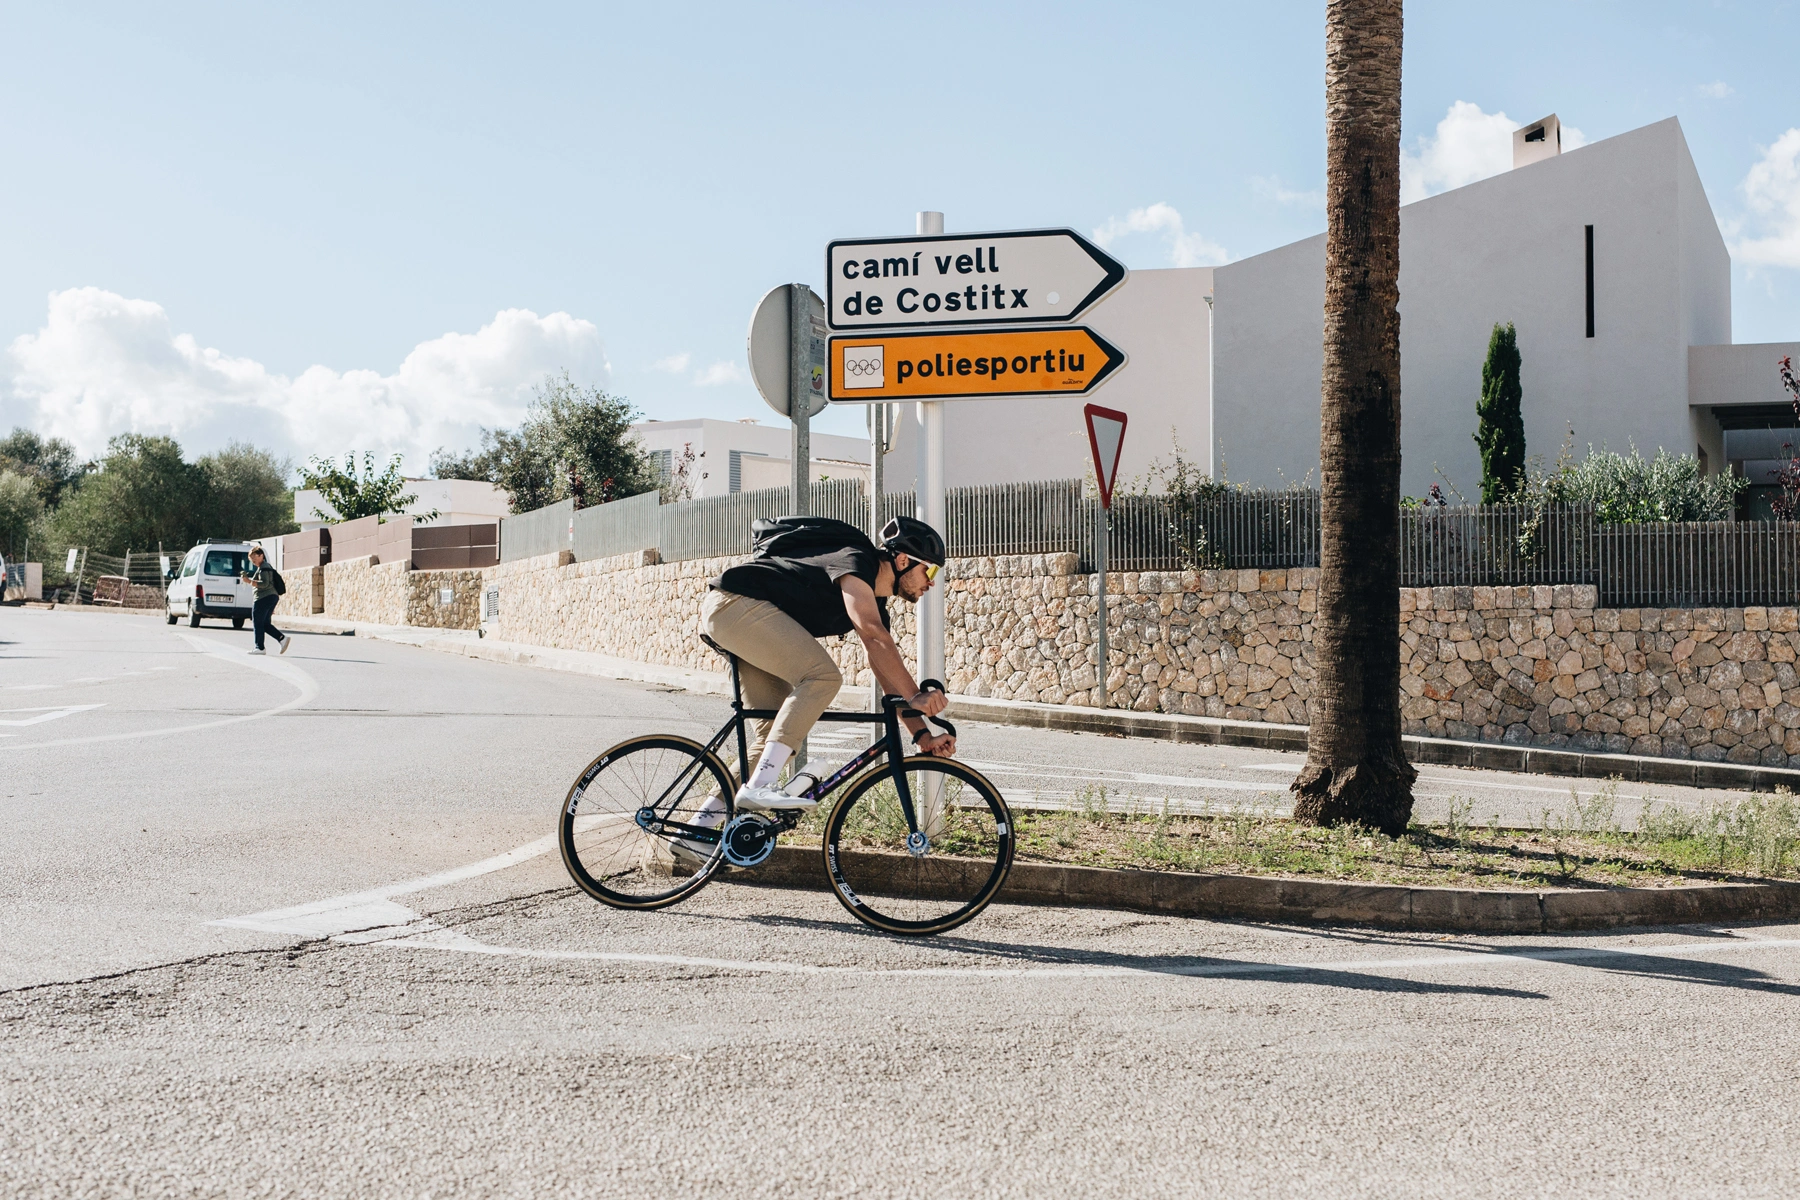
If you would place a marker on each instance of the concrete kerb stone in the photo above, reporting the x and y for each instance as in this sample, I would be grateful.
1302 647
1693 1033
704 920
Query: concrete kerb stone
1324 902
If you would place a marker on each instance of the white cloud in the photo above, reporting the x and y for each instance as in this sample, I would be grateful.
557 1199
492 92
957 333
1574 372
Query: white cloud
1185 249
719 374
1269 187
1467 145
103 364
1772 190
1717 90
675 364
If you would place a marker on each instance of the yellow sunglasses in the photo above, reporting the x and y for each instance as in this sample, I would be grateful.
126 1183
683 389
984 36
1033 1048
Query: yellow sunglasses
931 570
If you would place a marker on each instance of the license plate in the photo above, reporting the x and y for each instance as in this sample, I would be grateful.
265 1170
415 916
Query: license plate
222 597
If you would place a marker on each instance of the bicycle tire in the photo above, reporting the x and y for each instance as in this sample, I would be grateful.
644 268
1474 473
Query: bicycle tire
883 885
627 866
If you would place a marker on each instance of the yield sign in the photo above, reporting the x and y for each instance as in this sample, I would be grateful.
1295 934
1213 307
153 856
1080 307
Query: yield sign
1106 437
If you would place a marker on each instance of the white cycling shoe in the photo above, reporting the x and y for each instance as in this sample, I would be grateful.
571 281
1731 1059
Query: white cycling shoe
765 799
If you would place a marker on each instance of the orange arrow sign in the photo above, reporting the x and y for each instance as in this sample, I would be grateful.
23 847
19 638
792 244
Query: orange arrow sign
939 366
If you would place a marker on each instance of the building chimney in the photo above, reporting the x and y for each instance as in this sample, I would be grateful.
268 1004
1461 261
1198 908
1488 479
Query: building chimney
1537 141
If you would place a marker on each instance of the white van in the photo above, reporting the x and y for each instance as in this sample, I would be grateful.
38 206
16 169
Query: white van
207 585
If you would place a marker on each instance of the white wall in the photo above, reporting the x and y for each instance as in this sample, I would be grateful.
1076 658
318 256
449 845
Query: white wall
457 501
1509 248
1159 318
774 440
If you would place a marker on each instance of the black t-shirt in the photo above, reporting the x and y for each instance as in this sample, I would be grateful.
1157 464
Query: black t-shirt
806 589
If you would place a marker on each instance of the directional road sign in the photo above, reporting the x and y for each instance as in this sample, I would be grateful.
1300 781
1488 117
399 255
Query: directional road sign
1106 437
971 363
1026 277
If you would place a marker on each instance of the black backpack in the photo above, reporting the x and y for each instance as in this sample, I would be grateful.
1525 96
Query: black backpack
277 580
803 537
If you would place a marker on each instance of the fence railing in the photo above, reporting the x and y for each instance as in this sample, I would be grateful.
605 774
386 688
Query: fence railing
1706 564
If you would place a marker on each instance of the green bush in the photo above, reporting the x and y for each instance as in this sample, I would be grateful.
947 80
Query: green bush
1628 488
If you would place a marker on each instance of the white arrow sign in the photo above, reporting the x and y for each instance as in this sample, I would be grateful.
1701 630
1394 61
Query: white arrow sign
1019 278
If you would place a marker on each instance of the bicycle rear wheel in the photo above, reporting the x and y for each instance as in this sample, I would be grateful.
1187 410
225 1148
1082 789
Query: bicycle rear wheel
968 852
612 832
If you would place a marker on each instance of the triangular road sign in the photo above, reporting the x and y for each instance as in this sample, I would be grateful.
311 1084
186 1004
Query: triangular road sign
1106 437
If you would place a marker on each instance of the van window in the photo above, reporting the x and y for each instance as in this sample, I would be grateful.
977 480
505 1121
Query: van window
190 564
227 562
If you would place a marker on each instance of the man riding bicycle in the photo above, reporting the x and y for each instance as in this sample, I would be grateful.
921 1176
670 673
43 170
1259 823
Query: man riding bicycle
770 612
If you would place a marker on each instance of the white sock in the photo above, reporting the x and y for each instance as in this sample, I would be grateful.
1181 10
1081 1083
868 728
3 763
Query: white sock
711 812
768 767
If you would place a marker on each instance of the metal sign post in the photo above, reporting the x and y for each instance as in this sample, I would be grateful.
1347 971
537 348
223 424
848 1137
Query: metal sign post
1106 438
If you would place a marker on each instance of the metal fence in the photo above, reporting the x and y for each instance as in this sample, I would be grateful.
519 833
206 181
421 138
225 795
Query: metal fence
1236 530
1711 564
541 531
1496 545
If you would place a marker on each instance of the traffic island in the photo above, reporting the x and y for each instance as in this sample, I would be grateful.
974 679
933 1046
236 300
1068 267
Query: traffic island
1733 863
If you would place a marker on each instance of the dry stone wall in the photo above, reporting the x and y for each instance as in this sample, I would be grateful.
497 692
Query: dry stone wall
444 599
305 592
366 589
1540 666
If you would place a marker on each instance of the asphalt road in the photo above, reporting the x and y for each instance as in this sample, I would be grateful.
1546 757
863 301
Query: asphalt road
475 1028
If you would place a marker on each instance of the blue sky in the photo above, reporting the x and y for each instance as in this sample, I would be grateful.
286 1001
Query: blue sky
333 226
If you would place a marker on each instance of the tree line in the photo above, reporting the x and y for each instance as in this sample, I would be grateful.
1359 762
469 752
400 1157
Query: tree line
140 494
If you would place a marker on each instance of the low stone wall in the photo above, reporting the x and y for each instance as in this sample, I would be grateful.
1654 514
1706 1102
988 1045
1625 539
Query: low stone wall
1541 666
305 593
365 589
444 599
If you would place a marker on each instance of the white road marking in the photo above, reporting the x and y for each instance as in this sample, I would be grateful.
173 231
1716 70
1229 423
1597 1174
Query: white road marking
288 673
46 714
375 909
457 942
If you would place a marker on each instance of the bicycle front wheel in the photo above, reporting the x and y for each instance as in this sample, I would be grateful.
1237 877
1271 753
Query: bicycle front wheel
917 890
615 830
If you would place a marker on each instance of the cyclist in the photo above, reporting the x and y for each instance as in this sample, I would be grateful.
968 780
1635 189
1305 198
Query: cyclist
771 611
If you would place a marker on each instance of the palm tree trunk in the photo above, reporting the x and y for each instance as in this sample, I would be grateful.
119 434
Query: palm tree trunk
1356 770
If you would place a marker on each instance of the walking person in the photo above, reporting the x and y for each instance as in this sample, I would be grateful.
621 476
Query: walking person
269 589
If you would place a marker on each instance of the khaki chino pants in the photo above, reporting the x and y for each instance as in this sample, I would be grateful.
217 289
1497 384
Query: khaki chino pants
780 664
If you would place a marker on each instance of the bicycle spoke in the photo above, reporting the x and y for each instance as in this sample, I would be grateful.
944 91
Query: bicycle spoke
608 853
888 880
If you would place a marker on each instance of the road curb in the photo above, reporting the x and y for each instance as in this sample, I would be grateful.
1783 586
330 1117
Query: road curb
1167 727
1325 902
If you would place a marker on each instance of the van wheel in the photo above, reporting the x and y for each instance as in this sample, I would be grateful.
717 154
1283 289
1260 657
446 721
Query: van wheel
237 622
171 615
193 618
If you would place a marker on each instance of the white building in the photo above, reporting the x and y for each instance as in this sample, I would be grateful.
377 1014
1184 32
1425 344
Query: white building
1607 259
457 502
745 455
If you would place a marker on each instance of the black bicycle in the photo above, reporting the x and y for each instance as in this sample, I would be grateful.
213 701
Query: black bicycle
915 845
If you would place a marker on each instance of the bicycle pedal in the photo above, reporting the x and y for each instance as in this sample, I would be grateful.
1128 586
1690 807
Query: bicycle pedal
750 839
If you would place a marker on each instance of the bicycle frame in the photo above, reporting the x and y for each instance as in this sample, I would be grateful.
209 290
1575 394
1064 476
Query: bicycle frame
890 747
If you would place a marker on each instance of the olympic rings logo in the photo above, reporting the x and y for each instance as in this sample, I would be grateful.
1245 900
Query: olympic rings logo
862 366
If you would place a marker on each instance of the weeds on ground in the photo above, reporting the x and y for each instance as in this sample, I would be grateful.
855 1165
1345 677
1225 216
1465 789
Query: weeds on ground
1583 844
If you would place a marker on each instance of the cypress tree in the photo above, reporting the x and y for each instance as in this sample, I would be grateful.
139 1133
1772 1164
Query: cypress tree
1501 435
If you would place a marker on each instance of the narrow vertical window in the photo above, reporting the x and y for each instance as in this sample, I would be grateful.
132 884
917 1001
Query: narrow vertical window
1590 281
